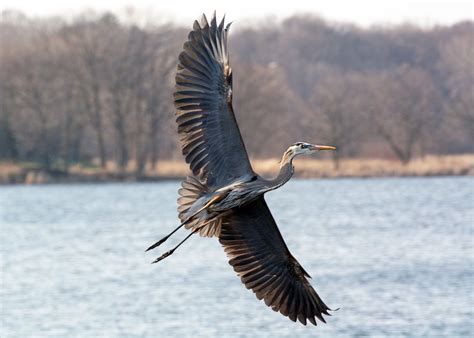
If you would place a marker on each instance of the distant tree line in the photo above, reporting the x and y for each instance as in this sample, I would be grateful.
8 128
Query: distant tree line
97 89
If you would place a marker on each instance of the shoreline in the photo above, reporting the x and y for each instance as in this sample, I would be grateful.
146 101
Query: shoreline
429 166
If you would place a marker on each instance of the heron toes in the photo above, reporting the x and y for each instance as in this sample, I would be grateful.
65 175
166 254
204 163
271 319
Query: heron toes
163 256
161 241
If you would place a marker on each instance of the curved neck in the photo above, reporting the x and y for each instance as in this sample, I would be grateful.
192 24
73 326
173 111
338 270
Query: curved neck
286 172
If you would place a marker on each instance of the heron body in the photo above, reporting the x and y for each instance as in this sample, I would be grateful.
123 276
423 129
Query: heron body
224 196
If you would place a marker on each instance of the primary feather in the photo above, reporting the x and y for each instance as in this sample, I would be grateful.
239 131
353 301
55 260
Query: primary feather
225 196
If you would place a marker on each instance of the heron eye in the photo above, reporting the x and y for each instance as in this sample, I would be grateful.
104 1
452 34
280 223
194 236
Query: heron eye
304 146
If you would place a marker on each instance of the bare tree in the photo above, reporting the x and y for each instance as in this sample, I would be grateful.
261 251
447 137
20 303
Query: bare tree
263 101
158 94
339 115
457 64
8 139
405 103
87 42
8 142
37 85
98 88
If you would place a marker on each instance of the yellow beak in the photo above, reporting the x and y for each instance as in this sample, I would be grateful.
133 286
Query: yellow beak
318 147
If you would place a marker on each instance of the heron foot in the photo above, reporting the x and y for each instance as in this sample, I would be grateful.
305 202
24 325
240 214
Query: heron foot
163 256
161 241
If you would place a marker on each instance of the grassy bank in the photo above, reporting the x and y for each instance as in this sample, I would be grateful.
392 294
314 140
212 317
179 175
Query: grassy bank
449 165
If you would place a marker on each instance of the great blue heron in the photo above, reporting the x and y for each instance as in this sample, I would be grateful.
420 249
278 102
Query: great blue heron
224 198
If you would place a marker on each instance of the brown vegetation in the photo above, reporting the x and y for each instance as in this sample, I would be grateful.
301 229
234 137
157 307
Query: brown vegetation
448 165
96 88
363 167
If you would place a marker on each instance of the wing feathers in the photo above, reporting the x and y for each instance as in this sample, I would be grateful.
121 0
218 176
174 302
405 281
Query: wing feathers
213 147
202 101
260 257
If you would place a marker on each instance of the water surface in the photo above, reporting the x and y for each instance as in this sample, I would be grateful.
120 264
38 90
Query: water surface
396 255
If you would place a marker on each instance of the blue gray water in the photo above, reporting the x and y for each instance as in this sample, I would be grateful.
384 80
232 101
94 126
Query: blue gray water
396 255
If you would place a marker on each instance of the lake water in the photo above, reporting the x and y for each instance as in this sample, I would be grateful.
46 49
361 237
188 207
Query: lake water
396 255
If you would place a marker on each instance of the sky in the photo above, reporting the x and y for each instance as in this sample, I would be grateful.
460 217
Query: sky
361 12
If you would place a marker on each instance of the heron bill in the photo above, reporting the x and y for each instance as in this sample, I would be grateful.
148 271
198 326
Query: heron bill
318 147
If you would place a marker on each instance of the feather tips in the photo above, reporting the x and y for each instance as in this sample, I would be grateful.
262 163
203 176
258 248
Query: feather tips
260 257
202 101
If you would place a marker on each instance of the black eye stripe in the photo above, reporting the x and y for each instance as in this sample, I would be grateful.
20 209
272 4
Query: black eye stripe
302 145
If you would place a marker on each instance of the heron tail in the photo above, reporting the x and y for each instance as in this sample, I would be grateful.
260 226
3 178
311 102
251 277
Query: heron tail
192 189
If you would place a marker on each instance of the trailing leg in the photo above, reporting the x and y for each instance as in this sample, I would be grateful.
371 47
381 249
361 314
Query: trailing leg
161 241
197 229
169 252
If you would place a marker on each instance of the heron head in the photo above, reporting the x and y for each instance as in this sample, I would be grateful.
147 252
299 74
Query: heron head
303 148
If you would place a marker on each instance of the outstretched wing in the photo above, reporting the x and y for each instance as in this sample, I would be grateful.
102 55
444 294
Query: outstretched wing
261 258
210 137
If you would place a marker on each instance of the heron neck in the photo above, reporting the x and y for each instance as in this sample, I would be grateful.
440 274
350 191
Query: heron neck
286 172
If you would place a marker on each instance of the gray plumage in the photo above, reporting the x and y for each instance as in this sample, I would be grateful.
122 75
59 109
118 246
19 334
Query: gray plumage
224 198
